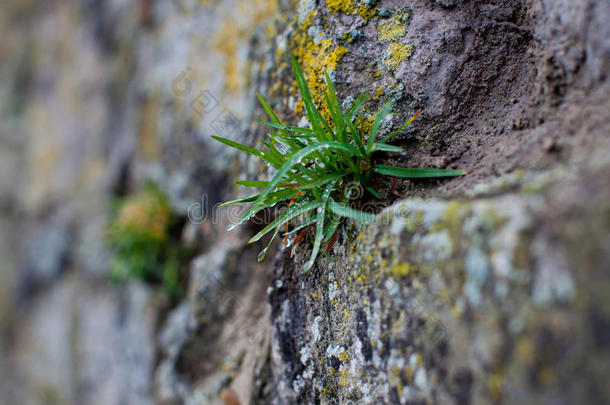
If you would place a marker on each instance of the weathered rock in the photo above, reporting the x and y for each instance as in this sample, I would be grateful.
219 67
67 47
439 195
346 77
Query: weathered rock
494 291
219 338
83 344
483 301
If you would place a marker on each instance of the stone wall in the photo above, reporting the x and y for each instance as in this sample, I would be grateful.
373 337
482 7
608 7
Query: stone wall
489 288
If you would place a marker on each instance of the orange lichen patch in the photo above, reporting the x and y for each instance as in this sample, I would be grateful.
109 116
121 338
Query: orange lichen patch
229 397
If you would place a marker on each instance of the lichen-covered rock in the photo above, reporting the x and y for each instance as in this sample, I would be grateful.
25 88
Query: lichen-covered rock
494 300
484 299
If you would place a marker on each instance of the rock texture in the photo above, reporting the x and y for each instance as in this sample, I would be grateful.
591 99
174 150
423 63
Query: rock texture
490 288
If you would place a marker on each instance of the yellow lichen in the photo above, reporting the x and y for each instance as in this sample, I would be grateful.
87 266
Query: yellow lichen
401 269
397 53
230 35
351 7
365 124
226 42
494 383
315 56
344 356
348 36
392 29
378 93
343 378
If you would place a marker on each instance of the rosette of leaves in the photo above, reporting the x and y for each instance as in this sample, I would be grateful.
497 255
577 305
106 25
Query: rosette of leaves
313 166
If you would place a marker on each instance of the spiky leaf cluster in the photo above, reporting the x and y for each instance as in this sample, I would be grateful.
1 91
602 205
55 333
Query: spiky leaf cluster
313 165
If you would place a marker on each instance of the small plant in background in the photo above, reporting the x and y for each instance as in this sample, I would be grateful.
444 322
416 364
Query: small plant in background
315 165
139 236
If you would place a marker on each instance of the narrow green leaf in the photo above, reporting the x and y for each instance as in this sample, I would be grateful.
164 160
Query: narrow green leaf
356 136
373 192
292 161
325 124
239 201
290 143
402 128
268 109
359 102
271 199
310 108
251 183
387 148
263 253
335 119
298 130
345 211
305 223
274 154
320 225
288 214
323 180
385 110
239 146
332 228
415 173
332 95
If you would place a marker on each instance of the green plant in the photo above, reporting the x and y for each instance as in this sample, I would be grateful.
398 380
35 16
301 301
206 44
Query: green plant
314 165
139 236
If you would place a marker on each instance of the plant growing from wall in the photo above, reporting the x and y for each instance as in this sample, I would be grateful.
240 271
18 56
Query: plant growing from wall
314 165
140 239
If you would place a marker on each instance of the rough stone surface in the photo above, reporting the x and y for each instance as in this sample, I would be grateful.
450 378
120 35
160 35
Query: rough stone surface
490 288
482 301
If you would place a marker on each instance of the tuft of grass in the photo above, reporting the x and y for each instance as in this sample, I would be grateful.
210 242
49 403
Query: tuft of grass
141 243
314 166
